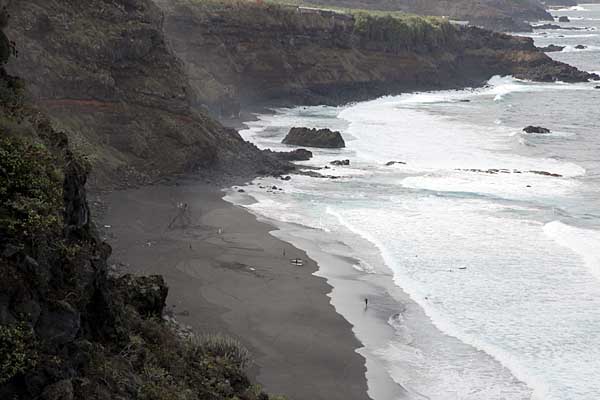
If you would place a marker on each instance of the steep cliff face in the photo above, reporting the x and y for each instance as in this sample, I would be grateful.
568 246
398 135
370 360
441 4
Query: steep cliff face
103 73
500 15
255 53
69 330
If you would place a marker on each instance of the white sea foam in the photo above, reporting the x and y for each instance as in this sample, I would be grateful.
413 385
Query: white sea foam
585 243
472 249
573 8
524 186
480 305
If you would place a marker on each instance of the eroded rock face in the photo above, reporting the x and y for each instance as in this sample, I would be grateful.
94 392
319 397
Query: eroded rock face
535 129
324 138
252 51
104 72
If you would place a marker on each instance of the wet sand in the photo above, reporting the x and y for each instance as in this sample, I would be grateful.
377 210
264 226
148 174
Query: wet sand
227 274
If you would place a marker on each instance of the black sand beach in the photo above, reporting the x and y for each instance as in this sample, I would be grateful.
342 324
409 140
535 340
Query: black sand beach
227 274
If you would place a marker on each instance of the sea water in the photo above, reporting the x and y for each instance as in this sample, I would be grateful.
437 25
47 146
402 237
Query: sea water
502 261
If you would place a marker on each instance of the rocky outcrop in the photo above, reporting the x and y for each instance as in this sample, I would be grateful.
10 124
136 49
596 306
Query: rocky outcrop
104 74
285 55
535 129
552 48
147 294
295 155
324 138
340 162
563 18
390 163
555 27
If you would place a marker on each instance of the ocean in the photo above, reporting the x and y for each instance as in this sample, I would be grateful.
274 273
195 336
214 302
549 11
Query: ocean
483 272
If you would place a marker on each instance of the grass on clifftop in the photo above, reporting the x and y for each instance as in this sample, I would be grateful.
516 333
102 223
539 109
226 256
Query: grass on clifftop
394 30
403 31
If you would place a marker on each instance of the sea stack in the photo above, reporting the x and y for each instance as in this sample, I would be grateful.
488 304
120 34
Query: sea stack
323 138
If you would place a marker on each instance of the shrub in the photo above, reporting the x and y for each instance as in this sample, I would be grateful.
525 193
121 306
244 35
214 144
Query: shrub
18 349
221 346
30 189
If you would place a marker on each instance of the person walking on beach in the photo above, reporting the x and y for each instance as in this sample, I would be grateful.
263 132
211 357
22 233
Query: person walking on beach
366 302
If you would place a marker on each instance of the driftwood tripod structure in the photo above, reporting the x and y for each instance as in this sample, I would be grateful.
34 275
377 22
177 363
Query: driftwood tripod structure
183 218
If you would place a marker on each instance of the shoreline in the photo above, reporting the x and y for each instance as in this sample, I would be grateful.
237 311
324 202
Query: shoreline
227 274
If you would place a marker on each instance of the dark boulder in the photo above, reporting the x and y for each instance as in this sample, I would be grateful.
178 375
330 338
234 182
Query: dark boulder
552 48
296 155
580 47
340 162
147 294
563 18
535 129
324 138
59 324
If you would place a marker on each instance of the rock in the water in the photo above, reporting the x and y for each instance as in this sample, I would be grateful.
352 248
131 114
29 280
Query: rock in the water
552 48
241 190
340 162
535 129
147 294
286 178
554 26
563 18
546 173
389 163
597 87
324 138
580 47
296 155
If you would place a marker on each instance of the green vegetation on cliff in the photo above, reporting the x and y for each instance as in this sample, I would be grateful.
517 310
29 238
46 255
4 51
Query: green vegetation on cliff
68 330
31 188
404 31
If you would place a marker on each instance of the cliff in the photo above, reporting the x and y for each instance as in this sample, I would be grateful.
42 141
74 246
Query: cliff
68 330
103 73
500 15
106 75
251 53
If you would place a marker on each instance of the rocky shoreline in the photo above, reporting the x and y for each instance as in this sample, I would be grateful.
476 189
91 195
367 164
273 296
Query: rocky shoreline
121 83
